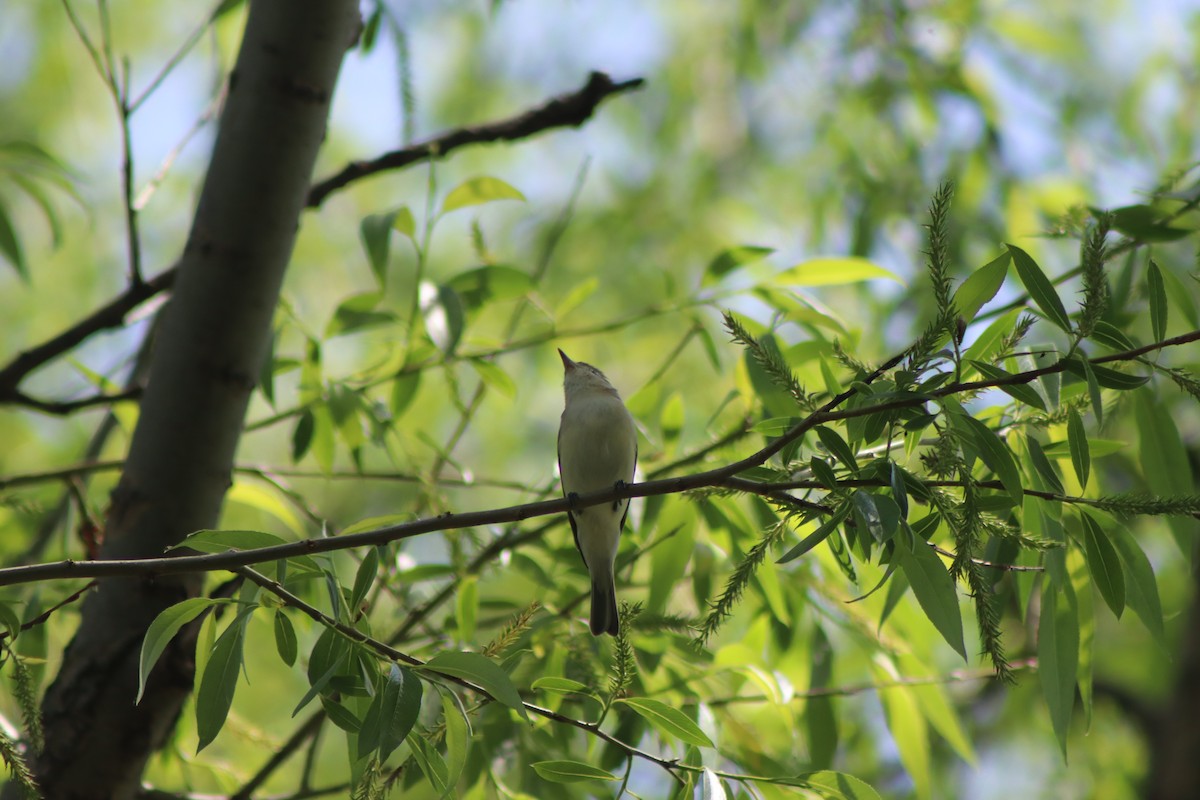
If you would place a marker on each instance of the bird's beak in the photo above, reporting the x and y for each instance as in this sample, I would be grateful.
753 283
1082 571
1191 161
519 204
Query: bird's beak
568 364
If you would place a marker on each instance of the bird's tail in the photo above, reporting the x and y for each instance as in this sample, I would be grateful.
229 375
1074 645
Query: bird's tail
604 603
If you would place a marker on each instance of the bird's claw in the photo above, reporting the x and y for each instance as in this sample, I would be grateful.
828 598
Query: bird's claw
573 501
620 486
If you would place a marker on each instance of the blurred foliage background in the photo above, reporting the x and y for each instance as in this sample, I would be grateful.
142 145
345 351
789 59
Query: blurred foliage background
813 129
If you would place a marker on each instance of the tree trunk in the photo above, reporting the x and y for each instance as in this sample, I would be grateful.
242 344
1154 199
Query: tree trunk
209 351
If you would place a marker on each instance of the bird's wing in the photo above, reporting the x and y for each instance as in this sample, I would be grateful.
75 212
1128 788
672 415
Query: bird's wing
570 516
624 516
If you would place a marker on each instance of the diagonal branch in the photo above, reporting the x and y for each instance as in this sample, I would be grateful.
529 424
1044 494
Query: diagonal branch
565 111
714 477
568 110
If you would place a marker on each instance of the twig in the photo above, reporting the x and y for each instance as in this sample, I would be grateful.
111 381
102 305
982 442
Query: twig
567 110
713 477
63 407
45 615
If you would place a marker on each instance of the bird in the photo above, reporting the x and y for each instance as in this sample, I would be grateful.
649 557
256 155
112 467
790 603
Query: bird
597 450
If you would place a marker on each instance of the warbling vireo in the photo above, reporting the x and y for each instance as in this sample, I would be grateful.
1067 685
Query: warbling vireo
597 449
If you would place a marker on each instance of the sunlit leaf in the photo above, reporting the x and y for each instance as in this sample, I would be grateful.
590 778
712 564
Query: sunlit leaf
1104 564
934 589
477 191
1040 289
832 271
1077 442
570 772
161 631
1158 301
668 720
981 286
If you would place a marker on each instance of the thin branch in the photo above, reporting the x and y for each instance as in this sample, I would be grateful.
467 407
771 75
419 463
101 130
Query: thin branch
107 317
173 61
565 111
280 756
41 619
61 408
449 521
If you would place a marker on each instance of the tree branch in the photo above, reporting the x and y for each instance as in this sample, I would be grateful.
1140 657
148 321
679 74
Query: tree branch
449 521
567 110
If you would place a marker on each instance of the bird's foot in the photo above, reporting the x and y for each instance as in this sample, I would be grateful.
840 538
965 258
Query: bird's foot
619 486
573 501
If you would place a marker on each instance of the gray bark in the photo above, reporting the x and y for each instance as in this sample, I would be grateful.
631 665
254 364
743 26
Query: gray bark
212 343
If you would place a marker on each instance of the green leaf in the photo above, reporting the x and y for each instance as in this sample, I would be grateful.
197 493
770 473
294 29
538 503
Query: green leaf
285 638
10 244
375 231
392 714
211 541
775 426
1104 564
404 224
1145 223
467 607
1104 376
1040 289
358 312
1158 301
432 765
478 191
442 309
834 785
495 377
488 284
1078 444
728 260
217 684
404 389
996 455
832 271
1093 387
560 686
910 731
836 445
1111 336
364 577
1019 391
458 740
481 671
1164 459
981 286
816 537
711 787
570 772
1058 655
1141 587
161 631
934 589
1043 467
302 435
668 720
823 472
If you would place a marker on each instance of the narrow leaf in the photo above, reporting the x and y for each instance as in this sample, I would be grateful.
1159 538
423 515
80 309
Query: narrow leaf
1019 391
1040 289
1058 656
1043 467
1077 442
1141 587
831 271
668 720
934 589
816 537
481 671
981 286
1158 301
997 456
162 630
285 638
570 772
1104 564
219 681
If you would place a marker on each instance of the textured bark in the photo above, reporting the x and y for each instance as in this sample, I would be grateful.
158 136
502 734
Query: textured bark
1175 762
213 339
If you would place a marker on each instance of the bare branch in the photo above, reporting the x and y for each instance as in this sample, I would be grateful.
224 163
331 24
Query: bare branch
565 111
